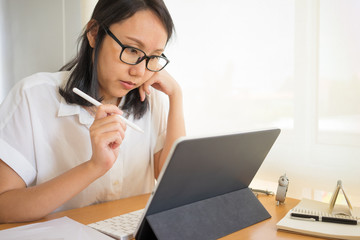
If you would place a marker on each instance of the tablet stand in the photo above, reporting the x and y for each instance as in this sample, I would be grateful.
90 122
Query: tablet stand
332 210
208 219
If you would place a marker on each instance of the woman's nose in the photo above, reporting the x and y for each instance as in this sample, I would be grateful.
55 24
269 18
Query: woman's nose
138 70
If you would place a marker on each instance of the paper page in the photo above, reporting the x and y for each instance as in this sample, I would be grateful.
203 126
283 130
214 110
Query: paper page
62 228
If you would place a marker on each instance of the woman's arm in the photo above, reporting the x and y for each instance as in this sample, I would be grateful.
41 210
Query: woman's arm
175 129
162 81
18 203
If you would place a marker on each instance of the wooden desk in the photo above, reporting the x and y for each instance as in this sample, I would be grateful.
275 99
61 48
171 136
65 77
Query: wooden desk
263 230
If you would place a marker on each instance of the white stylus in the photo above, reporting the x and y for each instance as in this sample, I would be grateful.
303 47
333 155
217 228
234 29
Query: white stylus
96 103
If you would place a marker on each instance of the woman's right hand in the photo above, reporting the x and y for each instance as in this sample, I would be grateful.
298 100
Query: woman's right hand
107 133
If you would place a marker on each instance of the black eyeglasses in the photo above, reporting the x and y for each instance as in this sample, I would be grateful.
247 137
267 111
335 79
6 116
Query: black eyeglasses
132 56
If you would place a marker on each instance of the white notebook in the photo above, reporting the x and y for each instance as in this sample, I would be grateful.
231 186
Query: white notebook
61 228
318 228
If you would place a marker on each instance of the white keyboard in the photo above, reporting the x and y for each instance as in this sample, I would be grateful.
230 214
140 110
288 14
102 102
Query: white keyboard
120 227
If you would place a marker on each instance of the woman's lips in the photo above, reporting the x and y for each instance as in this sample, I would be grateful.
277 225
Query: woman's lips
127 85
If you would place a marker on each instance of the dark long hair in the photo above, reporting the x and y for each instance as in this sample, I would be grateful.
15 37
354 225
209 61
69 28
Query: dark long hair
84 70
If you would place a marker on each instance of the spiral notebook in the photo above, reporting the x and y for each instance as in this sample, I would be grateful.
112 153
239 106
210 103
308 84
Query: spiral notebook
318 228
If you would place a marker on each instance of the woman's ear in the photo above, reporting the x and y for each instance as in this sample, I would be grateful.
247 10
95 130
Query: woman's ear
92 29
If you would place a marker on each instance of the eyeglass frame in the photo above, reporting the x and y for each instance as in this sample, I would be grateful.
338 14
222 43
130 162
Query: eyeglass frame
123 46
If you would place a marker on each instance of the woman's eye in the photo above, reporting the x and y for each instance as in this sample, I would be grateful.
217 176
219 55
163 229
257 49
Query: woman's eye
133 51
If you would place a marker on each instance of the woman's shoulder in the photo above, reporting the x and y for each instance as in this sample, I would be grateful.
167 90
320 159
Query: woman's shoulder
33 87
42 79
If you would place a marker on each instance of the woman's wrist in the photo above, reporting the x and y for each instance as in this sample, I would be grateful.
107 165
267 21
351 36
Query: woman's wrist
176 93
95 169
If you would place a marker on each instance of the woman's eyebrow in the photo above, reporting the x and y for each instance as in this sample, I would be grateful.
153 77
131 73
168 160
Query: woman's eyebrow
142 45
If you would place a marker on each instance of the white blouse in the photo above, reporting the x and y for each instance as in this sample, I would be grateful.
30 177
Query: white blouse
41 137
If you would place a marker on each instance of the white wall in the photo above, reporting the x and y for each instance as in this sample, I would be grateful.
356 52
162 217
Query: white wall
87 7
4 47
36 35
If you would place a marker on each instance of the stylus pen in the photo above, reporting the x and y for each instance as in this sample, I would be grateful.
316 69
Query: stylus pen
308 217
97 104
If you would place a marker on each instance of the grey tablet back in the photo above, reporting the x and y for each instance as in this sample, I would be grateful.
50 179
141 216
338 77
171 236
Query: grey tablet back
203 168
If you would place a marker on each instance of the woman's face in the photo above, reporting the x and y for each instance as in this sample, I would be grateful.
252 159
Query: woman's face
143 30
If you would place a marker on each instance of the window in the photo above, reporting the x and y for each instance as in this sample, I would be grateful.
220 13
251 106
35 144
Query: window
339 73
291 64
235 62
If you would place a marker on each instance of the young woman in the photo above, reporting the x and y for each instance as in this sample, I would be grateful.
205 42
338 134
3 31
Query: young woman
59 152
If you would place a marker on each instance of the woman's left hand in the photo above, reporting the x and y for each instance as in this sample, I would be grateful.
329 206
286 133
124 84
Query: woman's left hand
161 81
